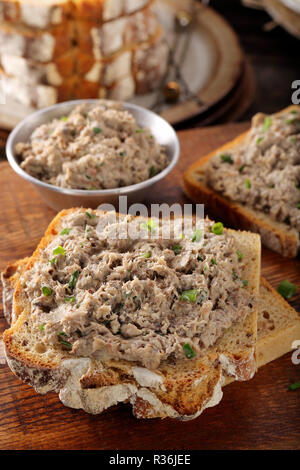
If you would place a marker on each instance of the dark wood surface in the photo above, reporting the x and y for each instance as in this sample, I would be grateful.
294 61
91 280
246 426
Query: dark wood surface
259 414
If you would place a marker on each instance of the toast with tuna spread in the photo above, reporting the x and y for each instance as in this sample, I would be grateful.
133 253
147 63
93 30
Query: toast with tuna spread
160 323
253 182
278 324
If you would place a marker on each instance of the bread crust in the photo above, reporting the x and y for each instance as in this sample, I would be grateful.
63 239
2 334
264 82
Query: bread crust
275 235
181 390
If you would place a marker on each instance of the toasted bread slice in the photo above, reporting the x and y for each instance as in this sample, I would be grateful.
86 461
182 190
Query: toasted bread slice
275 235
278 325
180 390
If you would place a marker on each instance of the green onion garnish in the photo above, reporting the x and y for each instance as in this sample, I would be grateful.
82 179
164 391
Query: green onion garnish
213 261
177 249
259 140
65 231
41 327
234 276
150 225
239 255
188 351
64 118
197 235
90 216
73 279
122 154
245 283
152 172
147 254
248 183
241 168
47 291
286 289
294 386
97 130
267 123
70 300
226 158
189 295
217 228
59 251
138 131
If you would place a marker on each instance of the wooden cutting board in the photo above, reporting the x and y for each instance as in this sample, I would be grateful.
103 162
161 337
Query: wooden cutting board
259 414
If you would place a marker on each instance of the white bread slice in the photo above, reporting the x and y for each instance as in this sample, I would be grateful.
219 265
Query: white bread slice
35 13
106 10
106 39
180 390
51 73
275 235
37 45
36 95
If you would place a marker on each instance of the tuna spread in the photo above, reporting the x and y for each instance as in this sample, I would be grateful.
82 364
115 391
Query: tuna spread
264 172
135 298
95 147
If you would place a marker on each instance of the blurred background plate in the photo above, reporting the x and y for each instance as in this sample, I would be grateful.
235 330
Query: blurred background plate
213 61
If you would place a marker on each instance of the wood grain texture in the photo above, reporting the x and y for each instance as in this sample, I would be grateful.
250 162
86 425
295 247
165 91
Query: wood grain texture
259 414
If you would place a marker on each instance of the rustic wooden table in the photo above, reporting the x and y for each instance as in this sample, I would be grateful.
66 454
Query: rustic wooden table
259 414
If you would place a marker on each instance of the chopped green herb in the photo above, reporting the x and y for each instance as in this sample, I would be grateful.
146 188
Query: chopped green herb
294 111
65 231
294 386
90 216
122 154
152 172
64 118
245 283
177 249
213 261
73 279
65 343
138 131
147 254
239 255
234 275
267 123
248 183
286 289
204 268
189 295
41 327
217 228
271 186
52 261
226 158
59 251
188 351
46 291
62 333
197 235
292 121
97 130
241 168
88 177
150 225
70 300
199 258
259 140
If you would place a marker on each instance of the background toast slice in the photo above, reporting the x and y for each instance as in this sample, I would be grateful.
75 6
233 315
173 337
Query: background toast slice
277 236
180 390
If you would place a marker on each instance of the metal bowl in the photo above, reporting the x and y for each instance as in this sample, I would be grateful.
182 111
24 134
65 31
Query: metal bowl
63 198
